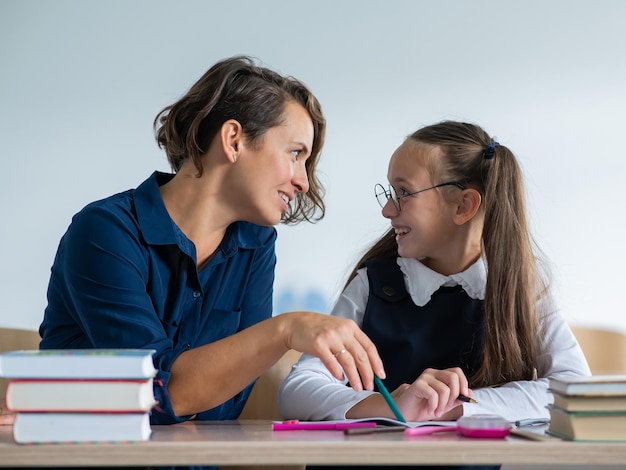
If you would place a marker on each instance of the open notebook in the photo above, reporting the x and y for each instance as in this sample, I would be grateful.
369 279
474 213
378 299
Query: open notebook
292 425
480 425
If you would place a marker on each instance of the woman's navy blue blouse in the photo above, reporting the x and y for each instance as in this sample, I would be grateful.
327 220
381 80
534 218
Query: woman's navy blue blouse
125 276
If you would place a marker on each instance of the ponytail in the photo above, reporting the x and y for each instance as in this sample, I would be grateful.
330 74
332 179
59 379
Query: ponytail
510 306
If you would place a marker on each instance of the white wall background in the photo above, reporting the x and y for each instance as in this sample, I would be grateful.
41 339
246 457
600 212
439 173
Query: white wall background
81 82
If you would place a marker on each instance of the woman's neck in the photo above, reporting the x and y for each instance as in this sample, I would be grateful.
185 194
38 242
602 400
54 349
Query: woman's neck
197 210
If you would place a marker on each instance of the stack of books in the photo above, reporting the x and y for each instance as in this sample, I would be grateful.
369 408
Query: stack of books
86 395
589 408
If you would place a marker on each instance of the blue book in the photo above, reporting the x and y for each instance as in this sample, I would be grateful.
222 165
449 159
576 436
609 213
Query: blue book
78 364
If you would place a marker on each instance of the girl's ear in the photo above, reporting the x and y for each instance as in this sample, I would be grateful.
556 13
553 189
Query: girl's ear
468 204
231 136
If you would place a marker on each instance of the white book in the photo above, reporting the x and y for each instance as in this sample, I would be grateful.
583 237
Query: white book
38 428
80 395
78 363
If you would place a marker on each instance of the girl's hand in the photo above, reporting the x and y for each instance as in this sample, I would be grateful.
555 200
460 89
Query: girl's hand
6 417
339 343
432 395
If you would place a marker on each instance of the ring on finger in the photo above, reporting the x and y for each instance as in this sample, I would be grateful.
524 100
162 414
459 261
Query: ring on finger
344 350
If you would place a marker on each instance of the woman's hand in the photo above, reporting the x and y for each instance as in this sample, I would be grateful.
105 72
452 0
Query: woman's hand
433 395
339 343
6 417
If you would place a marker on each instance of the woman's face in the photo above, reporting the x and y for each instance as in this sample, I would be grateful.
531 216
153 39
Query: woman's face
274 168
423 225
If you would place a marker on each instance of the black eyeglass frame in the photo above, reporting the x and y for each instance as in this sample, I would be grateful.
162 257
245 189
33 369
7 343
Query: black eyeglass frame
391 194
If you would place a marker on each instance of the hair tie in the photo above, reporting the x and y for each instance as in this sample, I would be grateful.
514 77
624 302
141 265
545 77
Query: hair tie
490 150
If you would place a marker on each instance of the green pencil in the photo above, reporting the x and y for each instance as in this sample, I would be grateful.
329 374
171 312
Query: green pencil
387 396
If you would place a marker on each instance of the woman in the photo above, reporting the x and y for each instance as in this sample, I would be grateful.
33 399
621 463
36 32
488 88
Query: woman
184 264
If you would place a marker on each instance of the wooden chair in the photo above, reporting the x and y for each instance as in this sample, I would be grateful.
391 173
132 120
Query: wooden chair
13 339
604 349
263 401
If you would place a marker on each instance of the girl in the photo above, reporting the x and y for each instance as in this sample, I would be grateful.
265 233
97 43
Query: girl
451 295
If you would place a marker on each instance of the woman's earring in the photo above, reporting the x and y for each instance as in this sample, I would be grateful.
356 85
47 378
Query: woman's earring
234 158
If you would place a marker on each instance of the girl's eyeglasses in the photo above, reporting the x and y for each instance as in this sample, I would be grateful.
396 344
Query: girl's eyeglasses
383 195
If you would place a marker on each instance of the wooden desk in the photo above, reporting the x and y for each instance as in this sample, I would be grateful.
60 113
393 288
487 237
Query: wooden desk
254 443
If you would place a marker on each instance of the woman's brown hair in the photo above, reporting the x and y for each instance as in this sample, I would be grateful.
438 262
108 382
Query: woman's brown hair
237 88
514 284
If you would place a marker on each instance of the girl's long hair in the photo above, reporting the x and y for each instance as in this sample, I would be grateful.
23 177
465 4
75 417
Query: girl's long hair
515 286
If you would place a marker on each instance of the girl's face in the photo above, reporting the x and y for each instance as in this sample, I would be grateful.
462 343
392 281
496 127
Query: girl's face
274 168
424 226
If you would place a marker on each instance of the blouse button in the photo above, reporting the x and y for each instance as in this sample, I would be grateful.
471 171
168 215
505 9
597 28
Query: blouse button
196 294
389 291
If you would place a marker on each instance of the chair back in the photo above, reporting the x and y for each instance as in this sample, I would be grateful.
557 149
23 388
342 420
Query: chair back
604 349
14 339
263 400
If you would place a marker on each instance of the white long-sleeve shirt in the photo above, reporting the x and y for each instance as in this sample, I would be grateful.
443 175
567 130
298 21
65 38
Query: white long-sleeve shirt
310 392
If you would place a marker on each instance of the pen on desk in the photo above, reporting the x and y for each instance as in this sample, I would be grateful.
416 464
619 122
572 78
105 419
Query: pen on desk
531 422
377 429
392 404
465 399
